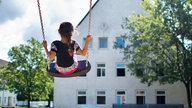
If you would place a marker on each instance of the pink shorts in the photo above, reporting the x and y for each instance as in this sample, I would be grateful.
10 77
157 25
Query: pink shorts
68 72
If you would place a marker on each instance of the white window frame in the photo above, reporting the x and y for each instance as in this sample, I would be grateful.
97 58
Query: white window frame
141 93
90 44
122 97
117 44
156 92
5 100
82 95
120 66
101 70
0 100
97 94
100 41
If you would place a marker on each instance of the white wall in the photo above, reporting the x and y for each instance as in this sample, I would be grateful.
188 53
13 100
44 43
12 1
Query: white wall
106 21
7 98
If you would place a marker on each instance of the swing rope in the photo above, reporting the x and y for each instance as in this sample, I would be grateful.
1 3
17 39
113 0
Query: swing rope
43 33
42 30
41 19
89 23
89 28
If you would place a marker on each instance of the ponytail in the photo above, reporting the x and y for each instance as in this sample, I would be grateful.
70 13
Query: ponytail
66 30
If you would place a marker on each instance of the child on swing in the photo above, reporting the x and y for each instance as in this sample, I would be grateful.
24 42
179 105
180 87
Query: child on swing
64 49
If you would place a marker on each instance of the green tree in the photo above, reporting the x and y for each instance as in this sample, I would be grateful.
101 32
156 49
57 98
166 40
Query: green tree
26 73
159 43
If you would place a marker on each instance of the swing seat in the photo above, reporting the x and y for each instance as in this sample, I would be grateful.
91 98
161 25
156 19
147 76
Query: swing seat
81 70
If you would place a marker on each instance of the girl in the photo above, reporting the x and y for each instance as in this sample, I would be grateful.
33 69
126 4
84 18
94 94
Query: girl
66 63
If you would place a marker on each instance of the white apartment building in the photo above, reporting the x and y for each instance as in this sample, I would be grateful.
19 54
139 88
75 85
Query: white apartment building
6 98
109 81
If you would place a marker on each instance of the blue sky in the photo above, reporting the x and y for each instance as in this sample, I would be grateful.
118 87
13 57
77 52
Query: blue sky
19 20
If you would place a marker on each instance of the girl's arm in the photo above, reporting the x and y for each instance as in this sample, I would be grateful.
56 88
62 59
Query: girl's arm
50 54
86 46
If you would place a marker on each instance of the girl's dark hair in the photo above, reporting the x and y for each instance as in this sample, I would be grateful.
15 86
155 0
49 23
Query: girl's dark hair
66 30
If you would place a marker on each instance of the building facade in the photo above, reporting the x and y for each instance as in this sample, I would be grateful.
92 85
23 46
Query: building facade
109 81
6 98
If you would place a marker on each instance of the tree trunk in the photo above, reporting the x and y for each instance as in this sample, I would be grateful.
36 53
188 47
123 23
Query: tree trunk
29 99
49 103
28 103
187 86
190 90
50 99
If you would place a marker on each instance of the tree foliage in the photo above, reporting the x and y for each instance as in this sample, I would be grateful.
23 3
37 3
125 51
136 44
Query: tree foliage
159 42
26 73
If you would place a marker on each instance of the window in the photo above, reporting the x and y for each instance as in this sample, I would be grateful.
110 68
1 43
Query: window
81 98
120 43
120 70
160 97
90 44
14 100
140 97
159 69
101 98
139 73
120 97
103 43
5 100
100 70
139 70
83 75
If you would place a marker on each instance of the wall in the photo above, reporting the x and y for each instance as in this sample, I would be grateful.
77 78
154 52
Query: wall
7 98
107 17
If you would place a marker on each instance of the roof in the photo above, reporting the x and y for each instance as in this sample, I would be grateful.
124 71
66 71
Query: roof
3 62
88 12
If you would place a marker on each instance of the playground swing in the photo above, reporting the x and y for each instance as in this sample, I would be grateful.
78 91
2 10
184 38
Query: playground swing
83 66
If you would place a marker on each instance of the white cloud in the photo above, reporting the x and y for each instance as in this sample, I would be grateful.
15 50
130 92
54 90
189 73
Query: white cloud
9 10
19 20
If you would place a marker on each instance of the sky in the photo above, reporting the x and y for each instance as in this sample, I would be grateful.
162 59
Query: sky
19 20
